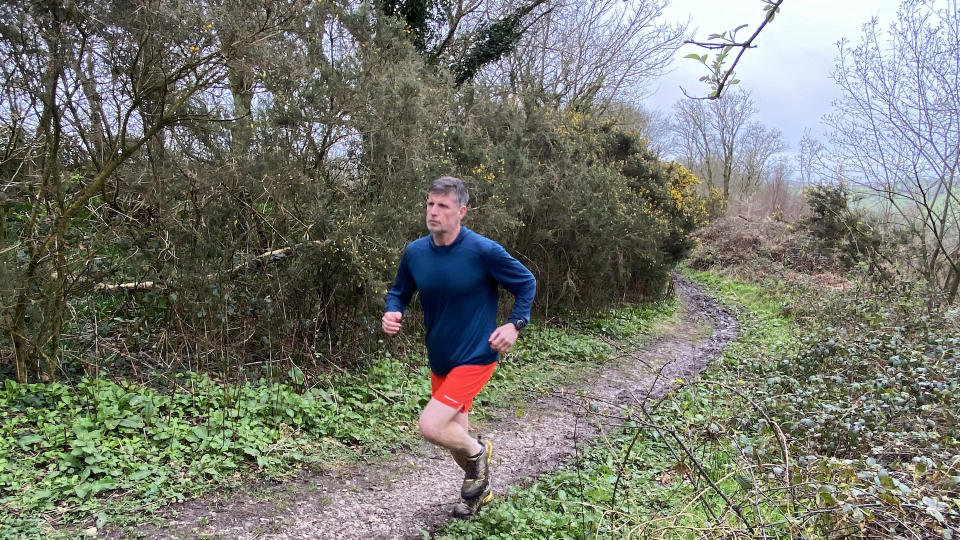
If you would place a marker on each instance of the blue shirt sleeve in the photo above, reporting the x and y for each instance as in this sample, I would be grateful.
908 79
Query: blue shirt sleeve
403 287
514 277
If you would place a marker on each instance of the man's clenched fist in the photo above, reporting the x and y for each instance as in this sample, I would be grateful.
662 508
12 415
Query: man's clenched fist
391 322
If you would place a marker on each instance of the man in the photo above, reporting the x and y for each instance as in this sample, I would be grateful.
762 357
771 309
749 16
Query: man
456 272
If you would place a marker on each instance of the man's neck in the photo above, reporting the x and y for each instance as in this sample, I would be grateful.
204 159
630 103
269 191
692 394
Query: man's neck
445 239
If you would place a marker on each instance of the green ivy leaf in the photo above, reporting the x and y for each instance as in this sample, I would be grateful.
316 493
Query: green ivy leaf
28 440
140 475
135 422
200 432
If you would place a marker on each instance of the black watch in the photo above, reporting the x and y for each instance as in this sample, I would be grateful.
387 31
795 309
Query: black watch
517 323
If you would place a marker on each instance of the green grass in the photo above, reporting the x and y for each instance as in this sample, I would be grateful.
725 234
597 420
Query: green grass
766 300
107 451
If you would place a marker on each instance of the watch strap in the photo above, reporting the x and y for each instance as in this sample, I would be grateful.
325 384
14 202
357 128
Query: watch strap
517 323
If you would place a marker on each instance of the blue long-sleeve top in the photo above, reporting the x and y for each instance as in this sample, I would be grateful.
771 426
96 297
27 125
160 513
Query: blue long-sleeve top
458 291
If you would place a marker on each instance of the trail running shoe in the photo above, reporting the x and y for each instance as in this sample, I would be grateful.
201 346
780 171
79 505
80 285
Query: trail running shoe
476 478
469 507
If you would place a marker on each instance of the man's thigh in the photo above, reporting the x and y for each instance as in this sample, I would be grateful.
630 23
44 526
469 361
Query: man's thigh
438 414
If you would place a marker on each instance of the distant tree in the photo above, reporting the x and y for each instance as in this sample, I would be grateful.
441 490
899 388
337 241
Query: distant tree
777 192
717 140
809 158
896 127
756 156
693 141
731 113
586 53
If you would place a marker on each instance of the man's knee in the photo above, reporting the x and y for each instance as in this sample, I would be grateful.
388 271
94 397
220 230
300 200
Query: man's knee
430 428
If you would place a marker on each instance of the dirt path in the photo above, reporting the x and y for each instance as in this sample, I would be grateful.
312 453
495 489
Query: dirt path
415 493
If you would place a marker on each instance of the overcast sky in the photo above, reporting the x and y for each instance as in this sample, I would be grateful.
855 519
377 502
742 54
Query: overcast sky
789 71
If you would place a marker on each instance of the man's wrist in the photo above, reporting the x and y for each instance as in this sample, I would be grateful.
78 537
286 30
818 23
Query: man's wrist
518 322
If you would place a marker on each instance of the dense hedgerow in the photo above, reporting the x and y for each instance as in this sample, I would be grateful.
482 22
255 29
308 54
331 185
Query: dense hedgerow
870 403
287 249
902 362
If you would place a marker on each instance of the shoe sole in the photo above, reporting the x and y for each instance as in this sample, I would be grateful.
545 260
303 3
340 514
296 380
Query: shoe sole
462 510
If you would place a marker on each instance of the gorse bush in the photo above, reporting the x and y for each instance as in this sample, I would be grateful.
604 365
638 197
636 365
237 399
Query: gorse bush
840 230
584 204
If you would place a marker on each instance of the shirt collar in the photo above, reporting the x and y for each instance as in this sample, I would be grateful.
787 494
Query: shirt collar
456 241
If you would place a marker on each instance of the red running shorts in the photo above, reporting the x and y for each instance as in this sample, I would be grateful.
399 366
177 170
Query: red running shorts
458 388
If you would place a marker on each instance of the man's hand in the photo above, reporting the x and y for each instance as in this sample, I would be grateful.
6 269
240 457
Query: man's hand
391 322
503 338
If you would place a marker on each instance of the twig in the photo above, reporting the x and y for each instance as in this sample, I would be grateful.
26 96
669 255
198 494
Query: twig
743 48
696 463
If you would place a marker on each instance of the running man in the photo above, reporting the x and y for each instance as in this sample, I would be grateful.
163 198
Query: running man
457 272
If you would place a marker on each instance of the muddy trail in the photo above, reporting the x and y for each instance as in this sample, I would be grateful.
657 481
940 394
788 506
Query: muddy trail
415 492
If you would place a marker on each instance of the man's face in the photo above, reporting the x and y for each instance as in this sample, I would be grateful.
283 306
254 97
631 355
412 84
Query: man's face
443 213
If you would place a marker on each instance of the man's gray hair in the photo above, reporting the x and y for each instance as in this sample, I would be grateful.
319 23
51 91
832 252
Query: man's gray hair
451 184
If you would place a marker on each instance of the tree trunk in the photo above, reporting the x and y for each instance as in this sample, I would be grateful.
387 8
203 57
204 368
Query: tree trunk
49 126
707 161
727 173
24 349
952 285
241 90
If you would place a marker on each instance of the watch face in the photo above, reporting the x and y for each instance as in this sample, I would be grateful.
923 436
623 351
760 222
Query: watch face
518 323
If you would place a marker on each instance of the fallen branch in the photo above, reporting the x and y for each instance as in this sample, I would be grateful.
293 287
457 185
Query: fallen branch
134 286
233 273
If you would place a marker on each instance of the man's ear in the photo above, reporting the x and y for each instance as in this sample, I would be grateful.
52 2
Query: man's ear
463 211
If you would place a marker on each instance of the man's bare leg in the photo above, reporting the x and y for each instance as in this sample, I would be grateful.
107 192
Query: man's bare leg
463 419
445 426
448 427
